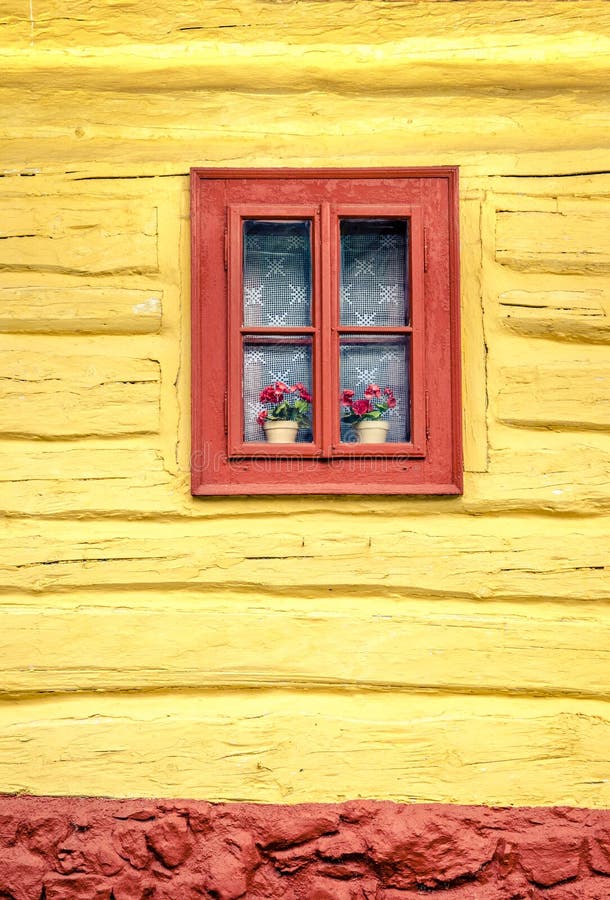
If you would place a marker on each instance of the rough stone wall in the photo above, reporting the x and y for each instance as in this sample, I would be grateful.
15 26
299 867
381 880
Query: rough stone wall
66 849
281 649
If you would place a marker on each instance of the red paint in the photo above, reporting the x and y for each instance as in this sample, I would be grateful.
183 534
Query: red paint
94 849
222 463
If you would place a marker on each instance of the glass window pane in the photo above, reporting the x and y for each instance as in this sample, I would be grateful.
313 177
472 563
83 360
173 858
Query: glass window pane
374 272
270 360
383 362
277 273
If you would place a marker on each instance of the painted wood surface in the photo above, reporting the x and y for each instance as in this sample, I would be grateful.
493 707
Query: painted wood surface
79 310
51 396
452 647
50 241
570 240
509 559
306 648
278 746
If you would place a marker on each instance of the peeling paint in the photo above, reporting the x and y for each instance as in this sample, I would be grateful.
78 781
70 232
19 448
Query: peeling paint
151 305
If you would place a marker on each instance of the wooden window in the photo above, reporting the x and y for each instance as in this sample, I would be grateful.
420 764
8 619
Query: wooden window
334 281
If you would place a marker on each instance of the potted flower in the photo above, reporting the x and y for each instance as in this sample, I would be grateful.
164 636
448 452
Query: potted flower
288 409
366 413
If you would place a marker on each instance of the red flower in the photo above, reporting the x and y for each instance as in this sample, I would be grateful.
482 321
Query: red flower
269 394
373 390
360 407
346 398
304 394
262 416
390 399
280 386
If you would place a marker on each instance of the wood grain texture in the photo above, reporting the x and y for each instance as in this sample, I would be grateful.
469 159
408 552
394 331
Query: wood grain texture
197 642
529 475
60 481
145 132
512 558
572 239
369 23
84 235
573 396
273 746
91 309
57 396
468 45
570 315
541 474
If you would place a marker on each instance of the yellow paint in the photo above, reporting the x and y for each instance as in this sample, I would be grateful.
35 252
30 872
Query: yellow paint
289 649
79 310
285 747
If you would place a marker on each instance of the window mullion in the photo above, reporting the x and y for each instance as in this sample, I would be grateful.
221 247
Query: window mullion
327 335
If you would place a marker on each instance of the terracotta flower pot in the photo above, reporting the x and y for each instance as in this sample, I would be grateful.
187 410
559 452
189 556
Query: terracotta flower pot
372 431
281 432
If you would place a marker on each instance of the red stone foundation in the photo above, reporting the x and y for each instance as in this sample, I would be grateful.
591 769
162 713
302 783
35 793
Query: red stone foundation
93 849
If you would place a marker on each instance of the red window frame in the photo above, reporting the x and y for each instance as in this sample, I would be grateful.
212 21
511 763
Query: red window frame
222 462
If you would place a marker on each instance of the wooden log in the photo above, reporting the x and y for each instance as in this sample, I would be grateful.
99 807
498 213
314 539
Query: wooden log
271 746
368 22
77 235
556 396
550 45
119 481
512 558
132 482
571 240
541 475
80 310
572 315
59 396
193 642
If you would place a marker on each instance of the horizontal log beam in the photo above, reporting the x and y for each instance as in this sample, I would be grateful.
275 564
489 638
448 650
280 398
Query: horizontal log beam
276 747
570 240
571 315
556 396
59 396
79 310
449 647
399 45
86 235
513 559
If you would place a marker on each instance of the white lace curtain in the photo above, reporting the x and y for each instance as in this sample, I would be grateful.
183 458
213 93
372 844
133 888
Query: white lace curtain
277 279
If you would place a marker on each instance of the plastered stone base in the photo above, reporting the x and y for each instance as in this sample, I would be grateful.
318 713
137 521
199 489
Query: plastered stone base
94 849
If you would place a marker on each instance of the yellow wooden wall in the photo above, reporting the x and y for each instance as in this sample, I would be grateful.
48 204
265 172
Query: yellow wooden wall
295 649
